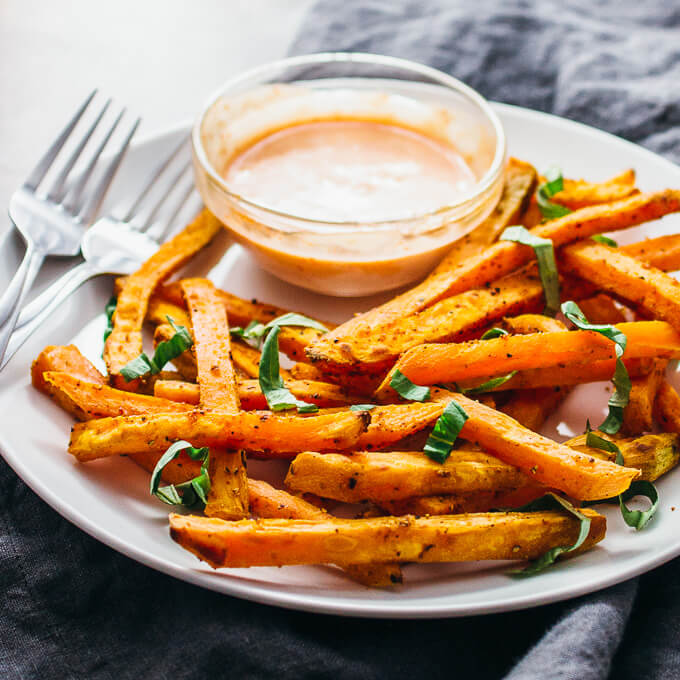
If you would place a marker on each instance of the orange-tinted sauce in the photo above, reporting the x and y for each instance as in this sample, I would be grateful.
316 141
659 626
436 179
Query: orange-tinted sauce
345 171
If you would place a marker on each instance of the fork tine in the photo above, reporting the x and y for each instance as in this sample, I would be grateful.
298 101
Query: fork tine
160 231
56 193
160 169
144 223
40 170
91 207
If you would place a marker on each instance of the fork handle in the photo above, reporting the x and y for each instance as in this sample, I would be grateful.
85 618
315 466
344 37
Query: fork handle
25 275
10 298
50 299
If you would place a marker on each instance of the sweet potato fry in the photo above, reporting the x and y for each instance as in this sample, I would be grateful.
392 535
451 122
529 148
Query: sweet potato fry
159 310
526 324
449 538
580 194
567 375
384 476
667 408
125 341
601 309
269 502
65 358
185 363
532 408
228 494
292 340
543 460
303 371
455 504
342 346
653 454
626 277
662 252
99 400
455 362
638 416
322 394
256 430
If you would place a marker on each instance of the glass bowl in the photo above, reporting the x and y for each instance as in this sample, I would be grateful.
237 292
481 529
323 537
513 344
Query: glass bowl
347 258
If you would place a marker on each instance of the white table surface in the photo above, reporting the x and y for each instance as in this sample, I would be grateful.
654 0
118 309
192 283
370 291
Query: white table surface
161 58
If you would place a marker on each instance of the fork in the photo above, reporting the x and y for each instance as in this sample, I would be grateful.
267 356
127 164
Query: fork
115 244
52 223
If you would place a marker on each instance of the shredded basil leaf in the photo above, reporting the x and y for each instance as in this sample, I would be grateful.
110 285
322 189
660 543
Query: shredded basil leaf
190 494
605 240
165 351
278 396
547 266
445 432
638 519
553 184
620 379
362 407
408 390
256 330
553 502
494 333
490 384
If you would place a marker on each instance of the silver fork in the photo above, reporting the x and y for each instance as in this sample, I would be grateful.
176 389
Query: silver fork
51 222
116 244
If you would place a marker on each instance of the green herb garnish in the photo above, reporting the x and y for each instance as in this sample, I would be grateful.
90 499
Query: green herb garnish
553 502
554 184
605 240
191 494
256 330
637 519
165 351
109 310
362 407
494 333
445 432
547 267
490 384
407 389
621 380
278 396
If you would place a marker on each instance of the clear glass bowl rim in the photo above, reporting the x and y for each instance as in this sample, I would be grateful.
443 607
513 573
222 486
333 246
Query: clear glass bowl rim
491 175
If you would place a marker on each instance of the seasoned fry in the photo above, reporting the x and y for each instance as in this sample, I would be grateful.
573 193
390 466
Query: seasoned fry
525 324
159 310
638 415
662 252
450 538
385 476
322 394
268 502
456 362
667 408
532 408
456 504
292 340
580 194
543 460
125 341
256 430
69 359
228 494
185 363
569 375
653 454
601 309
626 277
302 371
345 347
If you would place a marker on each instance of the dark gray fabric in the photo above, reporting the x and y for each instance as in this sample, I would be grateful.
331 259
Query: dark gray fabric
72 608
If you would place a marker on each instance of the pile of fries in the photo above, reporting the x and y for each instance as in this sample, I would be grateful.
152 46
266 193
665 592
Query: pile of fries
425 410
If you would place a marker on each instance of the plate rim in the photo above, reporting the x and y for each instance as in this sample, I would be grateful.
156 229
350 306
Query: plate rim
263 593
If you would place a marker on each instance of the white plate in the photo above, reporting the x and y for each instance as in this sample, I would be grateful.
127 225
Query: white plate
109 499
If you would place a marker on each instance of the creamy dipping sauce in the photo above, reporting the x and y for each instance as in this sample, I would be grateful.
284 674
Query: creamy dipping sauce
344 171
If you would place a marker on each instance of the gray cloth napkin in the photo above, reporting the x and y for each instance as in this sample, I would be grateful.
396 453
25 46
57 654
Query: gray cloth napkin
72 608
